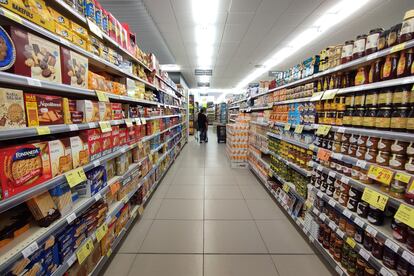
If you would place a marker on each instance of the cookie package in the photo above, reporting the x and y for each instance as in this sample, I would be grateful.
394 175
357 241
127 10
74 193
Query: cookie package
11 108
7 51
43 109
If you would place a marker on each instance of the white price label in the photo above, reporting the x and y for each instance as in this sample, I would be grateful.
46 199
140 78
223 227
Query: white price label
319 168
359 222
332 202
341 130
332 174
332 225
34 82
361 163
339 270
71 218
408 257
364 254
392 245
371 231
71 260
372 56
337 156
30 249
92 125
73 127
96 163
340 233
347 213
385 272
98 197
123 150
108 220
322 216
345 179
319 194
315 211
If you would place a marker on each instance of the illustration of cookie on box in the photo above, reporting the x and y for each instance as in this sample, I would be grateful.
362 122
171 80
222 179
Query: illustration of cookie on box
74 69
60 154
94 140
62 197
90 110
12 113
80 151
43 110
23 167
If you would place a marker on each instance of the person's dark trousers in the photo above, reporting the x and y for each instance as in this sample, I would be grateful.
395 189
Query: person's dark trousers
203 134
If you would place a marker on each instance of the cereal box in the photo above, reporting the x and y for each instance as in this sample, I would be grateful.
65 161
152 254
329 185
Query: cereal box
11 108
80 151
74 68
105 112
94 139
60 155
23 167
43 109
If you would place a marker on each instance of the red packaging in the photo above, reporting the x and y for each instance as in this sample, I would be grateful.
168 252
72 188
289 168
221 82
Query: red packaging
116 111
94 139
138 132
131 40
111 27
106 142
115 138
23 167
148 128
131 138
122 136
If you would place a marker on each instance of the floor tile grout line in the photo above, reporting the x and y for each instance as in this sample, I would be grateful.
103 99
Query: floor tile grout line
217 253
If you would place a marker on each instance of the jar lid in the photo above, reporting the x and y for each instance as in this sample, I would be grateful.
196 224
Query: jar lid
396 27
409 14
361 36
376 30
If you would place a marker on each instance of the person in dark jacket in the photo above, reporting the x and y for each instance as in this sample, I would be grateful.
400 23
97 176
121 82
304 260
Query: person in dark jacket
202 122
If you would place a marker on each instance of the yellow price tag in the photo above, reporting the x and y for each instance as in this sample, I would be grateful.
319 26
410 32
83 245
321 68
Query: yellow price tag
287 126
101 232
329 94
380 174
411 187
151 158
286 188
323 130
312 147
351 242
405 214
105 126
128 122
109 253
397 48
75 177
299 129
316 96
84 251
140 210
102 96
375 199
270 173
403 177
43 130
13 16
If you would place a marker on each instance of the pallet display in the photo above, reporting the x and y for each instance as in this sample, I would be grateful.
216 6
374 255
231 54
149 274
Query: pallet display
237 142
89 127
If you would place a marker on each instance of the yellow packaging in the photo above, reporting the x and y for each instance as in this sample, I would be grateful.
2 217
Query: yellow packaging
32 10
63 32
79 30
79 41
66 113
59 19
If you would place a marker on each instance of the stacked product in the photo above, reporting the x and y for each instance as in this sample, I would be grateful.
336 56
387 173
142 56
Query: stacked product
237 141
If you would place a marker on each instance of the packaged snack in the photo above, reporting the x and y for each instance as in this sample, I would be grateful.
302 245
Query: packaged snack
35 57
80 151
43 209
94 139
43 110
90 110
115 137
110 168
60 155
79 41
122 136
59 19
23 167
79 30
96 181
62 197
105 111
74 68
106 143
116 111
70 114
12 113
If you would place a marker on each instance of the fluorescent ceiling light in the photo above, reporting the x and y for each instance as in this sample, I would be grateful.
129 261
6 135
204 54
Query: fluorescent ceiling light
204 51
205 11
204 62
330 18
170 67
205 34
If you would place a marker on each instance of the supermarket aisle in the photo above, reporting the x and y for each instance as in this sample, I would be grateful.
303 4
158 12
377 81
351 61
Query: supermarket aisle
207 219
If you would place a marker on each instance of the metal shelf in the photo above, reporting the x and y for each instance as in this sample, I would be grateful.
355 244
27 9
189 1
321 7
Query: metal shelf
258 108
306 127
262 150
234 107
294 142
301 100
297 168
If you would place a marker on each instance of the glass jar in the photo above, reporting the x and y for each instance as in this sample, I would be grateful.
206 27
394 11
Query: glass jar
375 216
359 100
389 258
407 28
385 144
383 158
377 248
399 147
371 99
357 117
349 100
340 103
374 74
362 209
382 40
383 119
361 76
399 118
360 267
346 53
372 41
368 241
347 119
393 35
400 97
397 161
404 63
371 155
359 46
389 69
385 97
369 118
372 142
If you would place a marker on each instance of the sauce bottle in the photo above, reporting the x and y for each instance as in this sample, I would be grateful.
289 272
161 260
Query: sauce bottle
346 53
359 46
405 62
389 69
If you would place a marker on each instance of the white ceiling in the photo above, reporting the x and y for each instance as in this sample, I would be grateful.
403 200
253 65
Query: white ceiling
247 31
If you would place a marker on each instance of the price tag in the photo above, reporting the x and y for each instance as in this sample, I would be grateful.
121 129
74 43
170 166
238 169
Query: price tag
341 130
98 196
329 94
91 125
375 199
322 216
286 188
115 187
364 254
316 96
371 230
411 187
359 222
109 253
43 130
138 121
73 127
75 177
105 126
128 122
361 163
340 233
347 213
332 174
101 231
384 272
332 202
96 163
34 82
95 29
345 180
405 214
102 96
403 177
351 242
287 126
13 16
392 245
380 174
324 154
332 225
323 130
299 129
84 251
143 121
71 260
319 194
408 257
319 168
71 218
338 270
397 48
30 249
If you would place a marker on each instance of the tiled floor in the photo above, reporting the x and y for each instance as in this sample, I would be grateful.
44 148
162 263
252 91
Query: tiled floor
208 219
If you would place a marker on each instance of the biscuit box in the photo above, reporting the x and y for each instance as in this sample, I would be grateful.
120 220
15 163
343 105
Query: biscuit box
36 57
70 114
59 19
105 111
106 143
80 151
116 111
74 68
43 110
90 110
11 108
122 136
60 155
94 139
23 167
115 137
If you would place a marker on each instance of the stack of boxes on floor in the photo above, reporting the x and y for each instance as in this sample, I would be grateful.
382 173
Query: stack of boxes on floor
237 142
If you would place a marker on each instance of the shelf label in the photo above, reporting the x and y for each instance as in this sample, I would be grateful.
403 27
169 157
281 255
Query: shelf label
332 225
361 163
324 154
316 96
392 245
75 177
332 174
332 202
384 272
84 251
91 125
299 129
105 126
286 188
329 94
405 214
287 126
98 196
71 260
359 222
34 82
397 48
338 270
341 130
312 147
95 29
12 16
128 122
345 180
408 257
102 96
340 233
403 177
337 156
380 174
43 130
371 230
375 199
351 242
143 121
319 194
141 210
138 121
101 232
73 127
71 218
115 187
364 254
323 130
347 213
30 249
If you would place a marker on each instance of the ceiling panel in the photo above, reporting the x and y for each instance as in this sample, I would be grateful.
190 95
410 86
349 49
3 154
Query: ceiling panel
234 32
240 18
244 5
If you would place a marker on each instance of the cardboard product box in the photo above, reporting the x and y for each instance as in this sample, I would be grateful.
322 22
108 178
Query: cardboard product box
105 111
123 133
110 168
62 197
131 138
60 155
23 167
90 110
115 137
79 41
12 113
70 114
116 111
43 110
79 30
59 18
36 57
43 209
94 139
74 68
96 181
64 32
106 143
80 151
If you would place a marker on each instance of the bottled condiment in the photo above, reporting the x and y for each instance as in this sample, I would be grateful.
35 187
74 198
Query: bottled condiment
399 147
404 63
361 76
407 28
399 118
393 35
374 74
359 46
346 53
377 248
375 216
389 69
397 161
347 119
383 158
400 97
383 119
382 40
368 241
384 144
389 258
372 142
372 41
357 117
362 209
385 97
371 99
369 118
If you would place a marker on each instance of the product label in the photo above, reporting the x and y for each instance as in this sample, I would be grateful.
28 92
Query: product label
407 26
372 41
398 122
382 122
347 51
359 46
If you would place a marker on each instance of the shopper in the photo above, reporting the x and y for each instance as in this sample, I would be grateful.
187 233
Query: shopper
202 122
